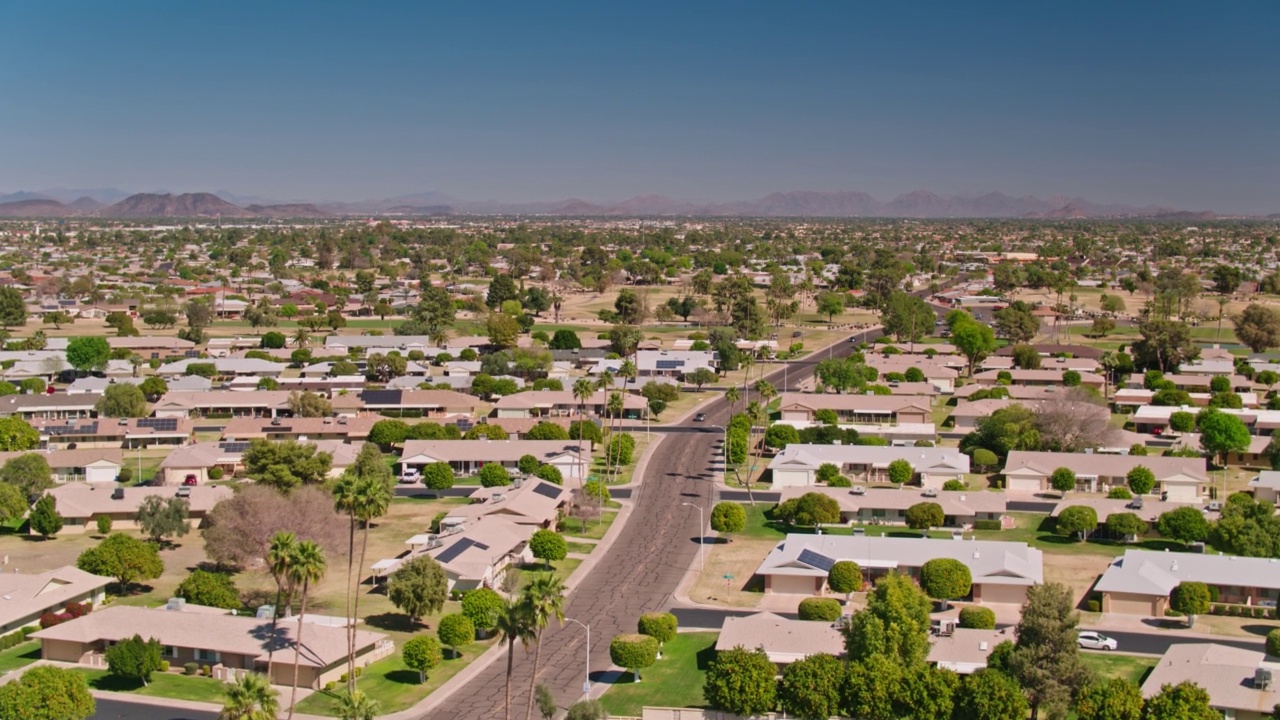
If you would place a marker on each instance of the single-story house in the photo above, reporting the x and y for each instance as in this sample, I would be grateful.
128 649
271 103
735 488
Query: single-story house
964 651
675 363
1242 684
479 554
785 641
1266 486
130 433
990 378
93 465
222 403
936 371
59 406
198 459
80 504
227 643
1002 571
797 464
28 596
154 348
1105 507
424 403
466 457
528 501
888 506
1016 392
1139 582
864 409
1079 364
562 403
1177 479
300 428
226 367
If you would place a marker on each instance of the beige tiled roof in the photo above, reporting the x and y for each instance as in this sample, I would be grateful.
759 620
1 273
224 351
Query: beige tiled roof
783 639
85 499
23 595
1225 672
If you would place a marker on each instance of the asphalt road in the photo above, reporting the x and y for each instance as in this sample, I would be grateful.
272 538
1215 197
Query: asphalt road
117 710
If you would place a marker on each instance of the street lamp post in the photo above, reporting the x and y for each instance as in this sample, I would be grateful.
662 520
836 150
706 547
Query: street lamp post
586 682
702 535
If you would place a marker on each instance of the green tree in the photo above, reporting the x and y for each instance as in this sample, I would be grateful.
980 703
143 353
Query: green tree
728 517
1191 599
45 518
741 681
548 546
1165 344
810 688
809 509
1046 659
502 329
1016 323
307 567
1221 434
830 304
633 652
845 576
894 623
422 653
974 340
456 630
544 600
1184 701
88 353
978 617
46 692
122 400
1140 480
287 464
1063 480
250 697
161 518
661 626
701 376
1126 524
900 472
211 589
1006 429
494 475
437 476
1077 521
1110 699
153 387
1258 327
925 515
13 502
990 695
820 609
907 317
13 308
1183 422
29 473
984 459
134 658
418 588
945 579
16 435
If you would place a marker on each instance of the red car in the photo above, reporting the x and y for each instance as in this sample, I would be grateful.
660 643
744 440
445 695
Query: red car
190 480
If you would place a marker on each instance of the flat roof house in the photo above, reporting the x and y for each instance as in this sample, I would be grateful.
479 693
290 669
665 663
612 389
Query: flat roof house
55 407
28 596
230 644
424 403
674 363
562 403
1002 571
222 403
863 409
797 464
226 367
466 457
1178 479
81 503
888 506
965 650
1242 684
990 378
784 640
300 428
1139 582
114 433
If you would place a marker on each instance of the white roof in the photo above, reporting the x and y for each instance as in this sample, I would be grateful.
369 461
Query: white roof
799 456
989 561
1144 572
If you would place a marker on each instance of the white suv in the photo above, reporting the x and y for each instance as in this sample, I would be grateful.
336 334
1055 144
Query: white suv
410 475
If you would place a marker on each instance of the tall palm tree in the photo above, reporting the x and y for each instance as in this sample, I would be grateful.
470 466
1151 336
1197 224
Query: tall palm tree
250 697
583 389
280 560
615 406
355 705
345 500
515 624
301 336
308 567
544 597
732 396
373 500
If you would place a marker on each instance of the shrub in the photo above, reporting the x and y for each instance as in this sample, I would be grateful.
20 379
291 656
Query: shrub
1273 642
164 666
839 481
978 617
661 626
984 458
1093 606
1119 493
987 525
216 473
190 668
953 485
494 475
104 524
822 609
728 517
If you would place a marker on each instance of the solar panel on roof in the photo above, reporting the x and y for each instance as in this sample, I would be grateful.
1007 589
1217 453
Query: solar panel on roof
547 490
159 424
234 447
670 364
278 429
818 560
453 551
381 397
58 430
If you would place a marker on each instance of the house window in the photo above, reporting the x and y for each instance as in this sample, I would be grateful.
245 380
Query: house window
169 651
207 655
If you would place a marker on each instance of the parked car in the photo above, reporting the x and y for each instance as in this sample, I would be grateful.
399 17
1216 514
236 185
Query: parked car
190 480
797 334
1090 640
410 475
700 417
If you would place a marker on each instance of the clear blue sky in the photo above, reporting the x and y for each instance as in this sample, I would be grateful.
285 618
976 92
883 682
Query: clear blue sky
1167 102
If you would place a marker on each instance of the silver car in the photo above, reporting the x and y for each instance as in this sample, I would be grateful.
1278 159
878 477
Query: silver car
1090 640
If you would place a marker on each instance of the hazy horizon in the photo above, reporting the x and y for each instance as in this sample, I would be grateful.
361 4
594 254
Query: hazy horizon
1171 104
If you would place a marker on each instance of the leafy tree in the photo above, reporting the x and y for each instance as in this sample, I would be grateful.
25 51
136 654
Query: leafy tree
494 475
1077 520
990 695
1190 598
45 692
699 377
122 400
153 387
1184 701
88 353
212 589
925 515
1046 659
820 609
124 558
1165 344
482 606
1006 429
977 617
586 710
974 340
845 576
13 502
30 473
810 688
1183 422
565 340
728 517
134 658
418 588
308 404
1221 434
547 431
1110 699
900 472
907 317
422 653
742 682
1186 523
1063 480
633 652
894 623
945 579
546 702
286 465
779 436
437 476
1126 524
1248 527
13 308
1017 324
548 546
1258 327
550 473
809 509
984 458
456 630
45 519
830 304
1273 642
160 518
1140 480
826 471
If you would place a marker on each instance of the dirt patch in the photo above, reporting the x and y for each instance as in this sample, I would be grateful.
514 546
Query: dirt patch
1079 572
740 559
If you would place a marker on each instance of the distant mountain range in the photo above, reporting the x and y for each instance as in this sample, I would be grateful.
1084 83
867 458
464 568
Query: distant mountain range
112 203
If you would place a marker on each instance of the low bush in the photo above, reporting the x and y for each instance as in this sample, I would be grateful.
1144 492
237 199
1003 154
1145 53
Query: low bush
190 668
1093 606
986 525
164 666
821 609
978 617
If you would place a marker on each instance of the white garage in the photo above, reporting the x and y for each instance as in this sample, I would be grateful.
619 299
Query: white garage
792 585
993 593
101 471
1024 483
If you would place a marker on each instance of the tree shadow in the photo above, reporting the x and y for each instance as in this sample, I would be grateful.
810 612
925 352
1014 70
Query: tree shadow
1259 630
705 657
394 622
403 677
115 683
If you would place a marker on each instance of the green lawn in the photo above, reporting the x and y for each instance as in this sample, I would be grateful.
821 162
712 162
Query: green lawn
20 655
167 685
560 568
674 681
760 525
581 547
1129 667
393 684
571 527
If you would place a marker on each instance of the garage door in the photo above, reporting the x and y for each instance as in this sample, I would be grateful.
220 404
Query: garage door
100 474
1127 604
790 478
792 585
1012 594
1023 484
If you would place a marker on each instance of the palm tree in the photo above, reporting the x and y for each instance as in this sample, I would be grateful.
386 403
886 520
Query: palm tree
373 500
732 396
615 406
301 336
583 389
250 697
280 561
355 705
515 624
545 598
308 567
345 500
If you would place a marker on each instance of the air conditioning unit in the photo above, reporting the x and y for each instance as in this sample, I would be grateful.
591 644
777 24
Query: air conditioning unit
930 492
858 490
265 612
176 604
1262 679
